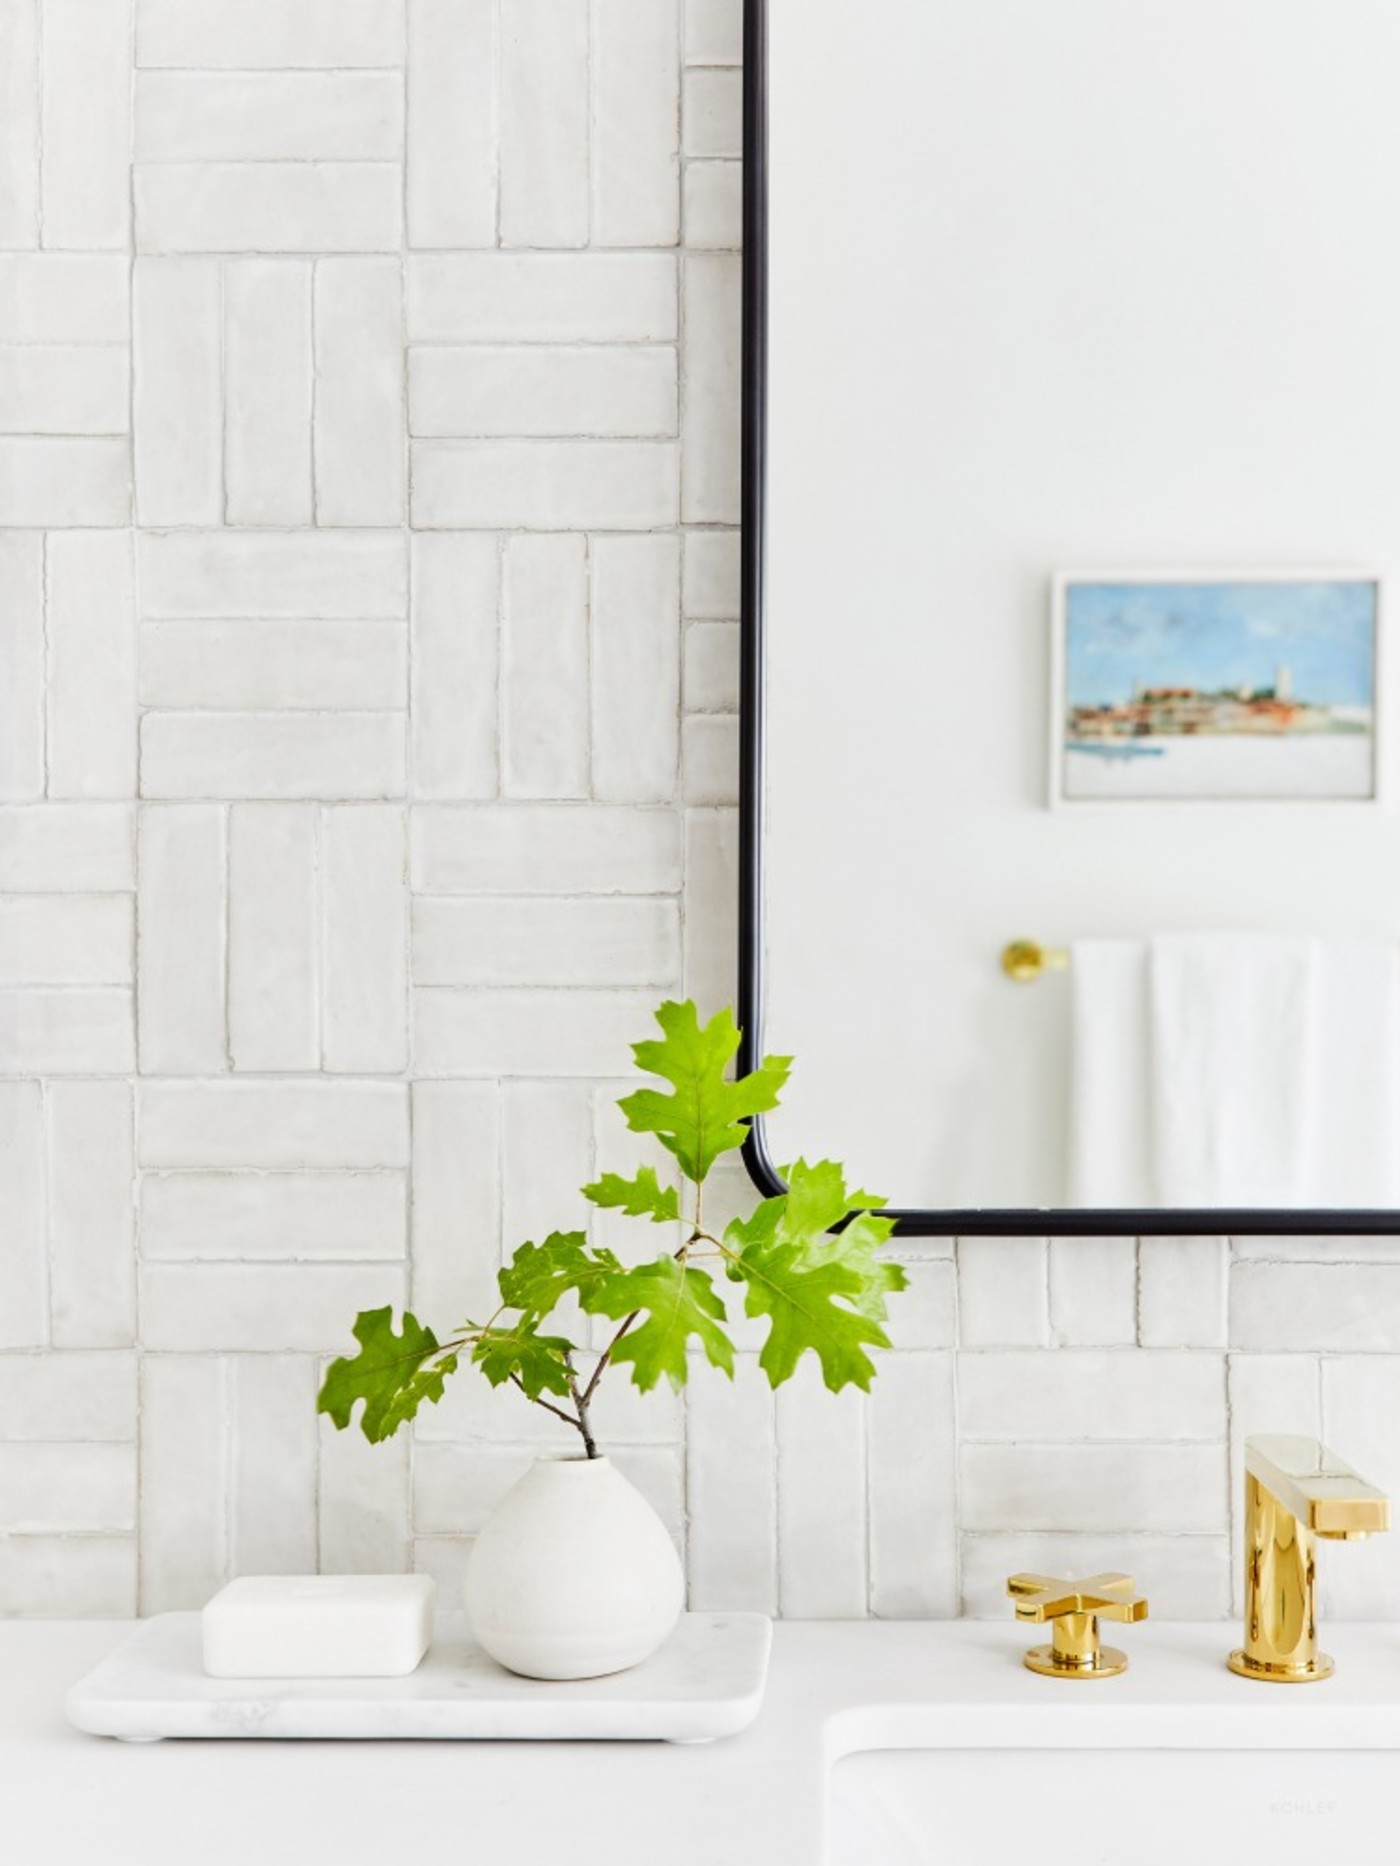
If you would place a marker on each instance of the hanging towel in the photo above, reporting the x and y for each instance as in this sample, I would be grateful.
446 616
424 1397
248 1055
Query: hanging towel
1235 1070
1109 1152
1234 1054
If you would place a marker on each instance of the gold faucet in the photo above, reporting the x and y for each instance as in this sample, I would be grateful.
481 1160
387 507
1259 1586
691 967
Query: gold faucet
1294 1491
1073 1610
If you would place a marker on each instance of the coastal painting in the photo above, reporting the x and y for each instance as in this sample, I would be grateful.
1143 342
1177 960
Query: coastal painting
1198 689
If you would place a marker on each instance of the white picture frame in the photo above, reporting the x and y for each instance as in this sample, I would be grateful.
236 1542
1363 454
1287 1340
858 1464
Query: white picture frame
1274 764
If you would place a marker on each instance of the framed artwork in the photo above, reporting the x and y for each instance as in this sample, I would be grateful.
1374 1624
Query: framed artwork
1189 688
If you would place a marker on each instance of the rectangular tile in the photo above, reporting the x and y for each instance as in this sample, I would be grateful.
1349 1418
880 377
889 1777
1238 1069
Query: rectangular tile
713 109
821 1499
456 1198
274 1124
67 848
452 122
544 122
710 467
710 759
273 755
1159 1393
92 1230
24 1286
68 1577
711 906
527 1033
913 1488
363 1510
65 1032
278 1217
456 652
359 437
538 941
268 392
732 1557
268 116
248 666
182 912
63 297
515 298
713 213
86 124
178 392
1089 1489
714 32
1302 1307
1183 1285
1093 1292
543 391
636 123
274 938
544 485
545 849
92 665
1003 1292
711 577
273 1431
711 682
67 1489
22 665
634 667
328 575
54 1398
364 1011
19 123
67 939
184 1480
63 389
544 628
269 33
53 482
265 1307
267 207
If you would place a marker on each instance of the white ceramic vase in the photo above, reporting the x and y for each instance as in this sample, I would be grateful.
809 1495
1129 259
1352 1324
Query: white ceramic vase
574 1574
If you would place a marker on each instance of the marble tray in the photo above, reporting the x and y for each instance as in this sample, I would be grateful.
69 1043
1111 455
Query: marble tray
706 1682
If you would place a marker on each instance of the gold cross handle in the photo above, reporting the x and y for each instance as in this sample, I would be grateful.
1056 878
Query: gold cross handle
1073 1609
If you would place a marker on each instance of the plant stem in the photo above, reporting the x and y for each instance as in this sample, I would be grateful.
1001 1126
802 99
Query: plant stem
581 1403
515 1380
606 1356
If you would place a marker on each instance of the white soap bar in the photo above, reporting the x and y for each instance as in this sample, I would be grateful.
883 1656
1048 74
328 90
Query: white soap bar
319 1626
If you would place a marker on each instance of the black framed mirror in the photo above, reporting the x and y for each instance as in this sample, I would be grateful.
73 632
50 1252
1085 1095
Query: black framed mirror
1068 827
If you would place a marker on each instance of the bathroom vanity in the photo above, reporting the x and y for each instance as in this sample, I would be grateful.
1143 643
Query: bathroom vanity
878 1745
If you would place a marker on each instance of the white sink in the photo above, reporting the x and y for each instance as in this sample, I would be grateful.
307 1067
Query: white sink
1176 1762
1131 1808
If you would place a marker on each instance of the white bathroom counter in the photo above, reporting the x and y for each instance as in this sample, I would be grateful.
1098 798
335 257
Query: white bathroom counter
751 1800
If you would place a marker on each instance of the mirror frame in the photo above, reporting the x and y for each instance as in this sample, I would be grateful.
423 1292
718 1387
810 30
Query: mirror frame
910 1221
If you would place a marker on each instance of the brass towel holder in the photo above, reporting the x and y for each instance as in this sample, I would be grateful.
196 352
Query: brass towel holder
1025 961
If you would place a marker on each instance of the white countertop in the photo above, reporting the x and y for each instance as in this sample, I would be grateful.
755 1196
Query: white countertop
751 1800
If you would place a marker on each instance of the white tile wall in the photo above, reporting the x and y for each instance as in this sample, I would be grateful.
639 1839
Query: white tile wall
368 677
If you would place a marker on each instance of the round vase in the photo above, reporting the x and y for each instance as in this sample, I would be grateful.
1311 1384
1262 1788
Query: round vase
573 1575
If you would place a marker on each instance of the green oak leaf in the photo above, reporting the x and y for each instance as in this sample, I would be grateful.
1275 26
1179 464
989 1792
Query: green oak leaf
678 1303
810 1307
821 1289
387 1374
538 1362
642 1197
539 1276
704 1117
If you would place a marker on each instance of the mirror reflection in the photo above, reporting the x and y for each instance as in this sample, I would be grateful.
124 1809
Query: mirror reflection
1083 494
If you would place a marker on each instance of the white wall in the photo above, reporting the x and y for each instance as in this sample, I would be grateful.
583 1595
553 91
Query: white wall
321 938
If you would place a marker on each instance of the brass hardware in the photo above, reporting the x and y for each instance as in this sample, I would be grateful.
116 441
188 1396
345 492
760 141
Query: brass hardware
1073 1610
1024 961
1294 1491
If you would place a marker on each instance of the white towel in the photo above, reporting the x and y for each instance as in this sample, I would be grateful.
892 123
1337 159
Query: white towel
1234 1054
1109 1155
1235 1070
